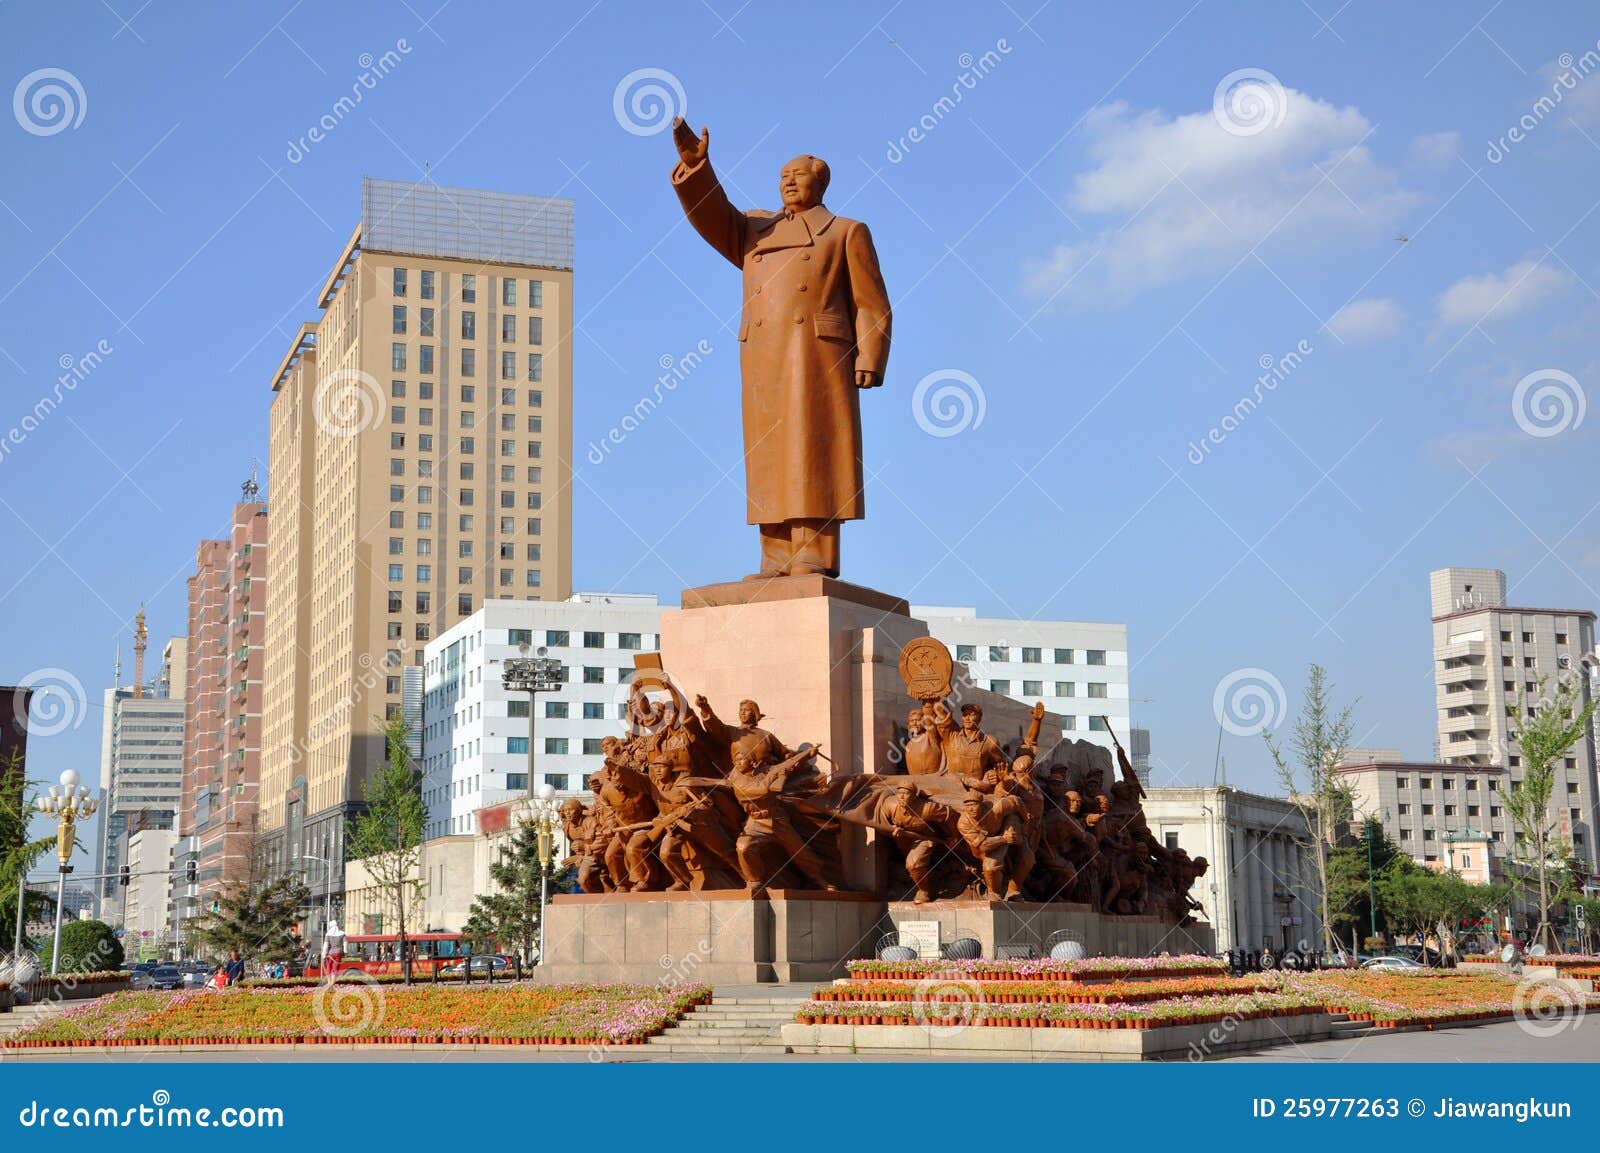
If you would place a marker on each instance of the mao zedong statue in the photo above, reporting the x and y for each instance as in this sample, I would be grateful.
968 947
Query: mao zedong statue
813 334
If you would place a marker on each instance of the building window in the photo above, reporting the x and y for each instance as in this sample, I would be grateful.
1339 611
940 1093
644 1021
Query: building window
397 356
1066 688
535 294
591 746
508 366
1094 656
966 652
517 708
469 362
508 291
399 322
1063 656
399 282
999 653
397 518
555 745
469 288
535 370
1170 840
425 359
1097 690
517 745
1001 687
1033 688
594 675
424 573
624 640
535 398
1426 782
397 572
1402 782
1097 724
594 640
1447 783
508 329
555 710
535 330
1403 810
557 638
397 546
1069 723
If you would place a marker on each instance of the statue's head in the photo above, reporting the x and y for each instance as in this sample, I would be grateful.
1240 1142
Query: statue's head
749 713
971 718
803 181
572 810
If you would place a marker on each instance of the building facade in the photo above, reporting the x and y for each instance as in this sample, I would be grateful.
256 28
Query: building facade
1434 811
141 768
1079 669
222 745
420 460
1489 661
1261 885
147 915
476 732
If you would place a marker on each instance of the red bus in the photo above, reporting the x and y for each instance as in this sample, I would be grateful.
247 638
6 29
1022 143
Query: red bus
379 953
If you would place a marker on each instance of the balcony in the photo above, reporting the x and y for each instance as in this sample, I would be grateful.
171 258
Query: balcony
1462 698
1463 674
1469 751
1472 723
1458 649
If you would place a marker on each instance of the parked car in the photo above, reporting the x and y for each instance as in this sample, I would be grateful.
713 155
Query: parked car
482 968
1393 964
195 974
166 977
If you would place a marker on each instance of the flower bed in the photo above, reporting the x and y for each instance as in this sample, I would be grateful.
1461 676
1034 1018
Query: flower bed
1041 1015
508 1014
998 992
1088 969
1393 999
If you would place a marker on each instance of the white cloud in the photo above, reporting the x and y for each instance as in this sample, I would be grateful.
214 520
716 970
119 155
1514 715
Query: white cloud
1366 319
1189 197
1499 294
1434 149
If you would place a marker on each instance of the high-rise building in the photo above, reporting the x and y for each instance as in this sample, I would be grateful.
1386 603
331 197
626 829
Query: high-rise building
222 753
146 919
141 767
419 463
1490 661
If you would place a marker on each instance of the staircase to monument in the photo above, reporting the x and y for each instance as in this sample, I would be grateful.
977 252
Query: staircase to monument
732 1026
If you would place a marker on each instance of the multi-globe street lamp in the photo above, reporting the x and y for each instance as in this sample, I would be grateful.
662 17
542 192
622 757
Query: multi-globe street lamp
531 674
66 802
543 818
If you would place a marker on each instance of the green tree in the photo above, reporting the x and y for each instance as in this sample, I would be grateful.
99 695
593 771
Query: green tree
1544 738
257 920
86 947
510 917
1591 921
17 853
1352 883
387 836
1422 902
1306 770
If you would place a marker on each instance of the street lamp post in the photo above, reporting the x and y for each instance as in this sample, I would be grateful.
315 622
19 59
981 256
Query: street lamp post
544 820
532 675
66 803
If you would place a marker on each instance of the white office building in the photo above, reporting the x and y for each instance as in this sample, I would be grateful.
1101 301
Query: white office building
475 732
147 911
1079 669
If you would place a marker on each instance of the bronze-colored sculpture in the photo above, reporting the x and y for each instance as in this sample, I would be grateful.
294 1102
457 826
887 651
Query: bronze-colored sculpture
814 333
690 802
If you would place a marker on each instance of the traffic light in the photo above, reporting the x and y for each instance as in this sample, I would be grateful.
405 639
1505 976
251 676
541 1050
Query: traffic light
123 876
191 872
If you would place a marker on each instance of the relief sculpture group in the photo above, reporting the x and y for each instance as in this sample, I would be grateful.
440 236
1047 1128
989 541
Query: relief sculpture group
690 801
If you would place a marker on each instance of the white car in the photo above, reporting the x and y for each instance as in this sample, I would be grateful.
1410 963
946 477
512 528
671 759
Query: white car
1393 965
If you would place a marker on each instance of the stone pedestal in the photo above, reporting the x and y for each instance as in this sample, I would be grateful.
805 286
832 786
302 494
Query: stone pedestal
999 923
821 657
719 937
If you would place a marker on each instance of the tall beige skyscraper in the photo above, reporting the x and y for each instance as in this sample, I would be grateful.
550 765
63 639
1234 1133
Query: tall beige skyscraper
1489 660
420 461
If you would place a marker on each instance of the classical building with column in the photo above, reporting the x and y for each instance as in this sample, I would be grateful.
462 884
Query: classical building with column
1261 886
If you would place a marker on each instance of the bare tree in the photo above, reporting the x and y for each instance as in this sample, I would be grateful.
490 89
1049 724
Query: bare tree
387 837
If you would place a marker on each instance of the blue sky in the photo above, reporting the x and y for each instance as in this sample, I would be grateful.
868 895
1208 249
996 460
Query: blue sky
1129 211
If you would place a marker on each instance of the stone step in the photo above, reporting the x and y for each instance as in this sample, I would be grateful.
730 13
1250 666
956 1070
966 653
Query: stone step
734 1023
727 1050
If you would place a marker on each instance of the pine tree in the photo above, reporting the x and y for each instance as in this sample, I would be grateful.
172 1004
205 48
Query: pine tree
510 917
256 920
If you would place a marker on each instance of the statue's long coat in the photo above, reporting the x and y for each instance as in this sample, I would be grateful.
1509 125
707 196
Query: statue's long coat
815 314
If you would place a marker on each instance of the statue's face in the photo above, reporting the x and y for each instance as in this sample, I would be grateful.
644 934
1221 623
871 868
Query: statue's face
798 184
969 720
748 713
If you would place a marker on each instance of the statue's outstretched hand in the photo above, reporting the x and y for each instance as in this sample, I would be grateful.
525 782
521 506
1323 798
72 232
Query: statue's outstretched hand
868 379
692 149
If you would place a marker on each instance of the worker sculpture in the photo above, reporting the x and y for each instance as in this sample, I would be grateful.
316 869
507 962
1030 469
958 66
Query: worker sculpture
689 801
813 334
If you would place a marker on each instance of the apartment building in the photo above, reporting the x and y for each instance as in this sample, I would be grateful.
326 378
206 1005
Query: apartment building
222 742
1434 810
1079 669
476 732
147 916
1489 660
419 462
